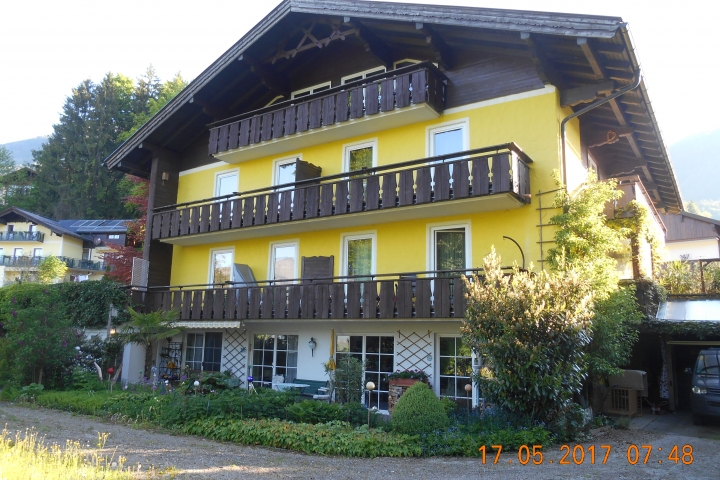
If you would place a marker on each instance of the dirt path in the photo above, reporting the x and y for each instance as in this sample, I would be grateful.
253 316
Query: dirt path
192 457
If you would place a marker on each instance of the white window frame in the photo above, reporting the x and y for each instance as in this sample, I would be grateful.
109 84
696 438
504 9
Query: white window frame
15 251
409 60
310 90
462 123
345 238
113 236
35 251
211 263
283 161
284 243
349 147
202 349
364 74
430 239
251 363
226 173
475 363
2 252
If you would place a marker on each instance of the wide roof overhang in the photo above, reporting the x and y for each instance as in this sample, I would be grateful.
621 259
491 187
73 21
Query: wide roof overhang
570 51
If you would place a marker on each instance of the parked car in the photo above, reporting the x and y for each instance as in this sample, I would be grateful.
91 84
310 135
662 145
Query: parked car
706 385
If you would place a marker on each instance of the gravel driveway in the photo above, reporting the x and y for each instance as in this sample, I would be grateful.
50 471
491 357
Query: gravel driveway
192 457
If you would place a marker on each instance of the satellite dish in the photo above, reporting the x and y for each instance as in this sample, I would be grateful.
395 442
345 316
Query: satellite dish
98 241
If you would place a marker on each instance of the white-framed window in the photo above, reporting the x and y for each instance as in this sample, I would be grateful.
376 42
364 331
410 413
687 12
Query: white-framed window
361 75
283 261
32 228
274 354
359 254
310 90
405 62
203 351
18 252
454 370
37 252
449 246
449 137
113 237
284 169
226 183
377 352
86 253
221 265
2 252
359 155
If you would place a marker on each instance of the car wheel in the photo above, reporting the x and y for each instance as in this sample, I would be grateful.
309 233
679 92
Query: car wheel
698 420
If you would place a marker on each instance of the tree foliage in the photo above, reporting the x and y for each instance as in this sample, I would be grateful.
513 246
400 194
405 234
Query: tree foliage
38 339
51 268
584 241
531 330
71 180
147 328
419 411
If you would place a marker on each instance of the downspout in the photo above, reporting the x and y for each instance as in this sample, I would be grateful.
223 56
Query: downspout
622 91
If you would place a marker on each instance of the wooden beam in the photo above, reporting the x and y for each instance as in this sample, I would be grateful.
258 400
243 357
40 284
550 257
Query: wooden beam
373 43
600 137
270 79
544 67
591 58
585 94
443 53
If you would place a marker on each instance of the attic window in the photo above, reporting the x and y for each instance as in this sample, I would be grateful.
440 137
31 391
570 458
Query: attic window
362 75
310 90
405 62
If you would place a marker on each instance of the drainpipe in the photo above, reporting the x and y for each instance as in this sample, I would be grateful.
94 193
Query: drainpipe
622 91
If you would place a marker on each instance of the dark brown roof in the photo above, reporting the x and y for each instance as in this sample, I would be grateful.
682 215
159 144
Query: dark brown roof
15 214
572 51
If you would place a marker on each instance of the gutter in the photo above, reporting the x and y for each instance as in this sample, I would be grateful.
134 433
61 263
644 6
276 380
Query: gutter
622 91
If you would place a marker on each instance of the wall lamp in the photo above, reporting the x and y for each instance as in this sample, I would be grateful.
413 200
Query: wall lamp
165 177
312 344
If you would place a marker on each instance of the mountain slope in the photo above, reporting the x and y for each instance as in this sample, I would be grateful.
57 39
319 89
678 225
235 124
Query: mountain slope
22 150
696 161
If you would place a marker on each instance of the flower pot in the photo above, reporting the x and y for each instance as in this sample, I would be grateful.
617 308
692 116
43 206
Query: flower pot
403 382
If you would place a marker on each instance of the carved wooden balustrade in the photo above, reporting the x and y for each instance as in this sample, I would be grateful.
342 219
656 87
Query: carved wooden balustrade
413 85
482 172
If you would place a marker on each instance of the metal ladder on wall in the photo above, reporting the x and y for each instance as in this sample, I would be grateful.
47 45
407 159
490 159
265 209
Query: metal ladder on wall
543 213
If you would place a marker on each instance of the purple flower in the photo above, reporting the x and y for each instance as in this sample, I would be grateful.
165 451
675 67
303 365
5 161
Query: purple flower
21 343
14 313
13 300
64 344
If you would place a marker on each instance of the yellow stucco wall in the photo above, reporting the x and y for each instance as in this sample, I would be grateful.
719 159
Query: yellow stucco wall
51 245
532 121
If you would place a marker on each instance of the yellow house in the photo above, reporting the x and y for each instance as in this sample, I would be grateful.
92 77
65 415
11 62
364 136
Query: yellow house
28 238
320 188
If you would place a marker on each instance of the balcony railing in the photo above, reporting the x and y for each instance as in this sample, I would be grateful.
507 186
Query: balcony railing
32 262
33 236
483 172
417 295
413 85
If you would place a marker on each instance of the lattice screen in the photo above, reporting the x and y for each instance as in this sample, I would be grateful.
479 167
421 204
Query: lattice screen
412 351
235 352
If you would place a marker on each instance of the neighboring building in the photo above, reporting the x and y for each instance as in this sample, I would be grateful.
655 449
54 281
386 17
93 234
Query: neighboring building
28 238
379 150
16 184
692 237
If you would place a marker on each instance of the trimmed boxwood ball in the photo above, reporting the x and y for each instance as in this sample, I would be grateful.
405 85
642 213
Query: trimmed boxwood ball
419 411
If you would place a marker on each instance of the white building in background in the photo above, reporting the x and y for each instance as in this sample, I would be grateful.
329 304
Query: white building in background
691 237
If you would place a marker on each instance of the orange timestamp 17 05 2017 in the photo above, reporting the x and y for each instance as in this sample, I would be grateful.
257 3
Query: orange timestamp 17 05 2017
579 454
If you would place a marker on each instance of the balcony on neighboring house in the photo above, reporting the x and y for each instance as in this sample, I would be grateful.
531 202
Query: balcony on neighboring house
486 179
632 188
33 262
15 236
388 100
430 294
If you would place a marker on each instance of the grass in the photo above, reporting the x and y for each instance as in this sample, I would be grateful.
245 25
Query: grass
25 456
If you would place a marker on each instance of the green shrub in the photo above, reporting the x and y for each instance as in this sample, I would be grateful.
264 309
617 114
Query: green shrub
419 411
348 380
458 441
88 403
449 405
333 438
86 380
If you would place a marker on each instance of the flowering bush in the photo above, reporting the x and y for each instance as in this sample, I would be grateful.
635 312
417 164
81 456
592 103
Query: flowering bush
410 374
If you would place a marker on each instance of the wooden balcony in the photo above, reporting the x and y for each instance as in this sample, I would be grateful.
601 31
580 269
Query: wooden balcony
33 236
417 295
400 97
492 178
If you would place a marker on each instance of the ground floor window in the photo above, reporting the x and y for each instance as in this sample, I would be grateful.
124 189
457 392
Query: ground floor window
274 355
455 370
204 351
377 352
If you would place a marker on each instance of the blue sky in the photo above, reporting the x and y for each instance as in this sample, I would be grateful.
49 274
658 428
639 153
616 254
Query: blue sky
48 47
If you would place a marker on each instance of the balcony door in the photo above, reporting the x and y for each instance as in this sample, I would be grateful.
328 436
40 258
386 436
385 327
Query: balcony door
359 255
449 249
274 355
221 264
283 262
204 351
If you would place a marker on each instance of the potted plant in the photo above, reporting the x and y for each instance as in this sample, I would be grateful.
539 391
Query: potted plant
407 378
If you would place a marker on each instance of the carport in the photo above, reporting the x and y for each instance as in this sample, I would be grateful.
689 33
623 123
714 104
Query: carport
687 324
